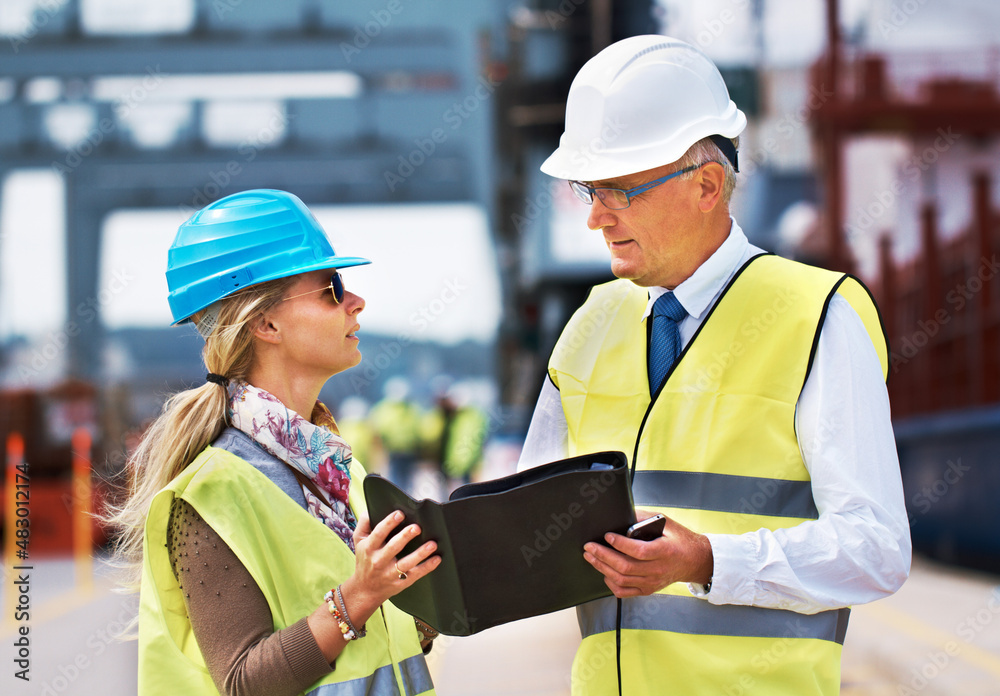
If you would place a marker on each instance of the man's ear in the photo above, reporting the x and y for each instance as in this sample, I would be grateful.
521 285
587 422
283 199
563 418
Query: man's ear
712 179
266 330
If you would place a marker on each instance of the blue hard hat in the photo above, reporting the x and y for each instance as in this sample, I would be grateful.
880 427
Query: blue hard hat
244 239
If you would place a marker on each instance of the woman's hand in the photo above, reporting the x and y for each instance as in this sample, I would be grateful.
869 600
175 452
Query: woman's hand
377 565
375 577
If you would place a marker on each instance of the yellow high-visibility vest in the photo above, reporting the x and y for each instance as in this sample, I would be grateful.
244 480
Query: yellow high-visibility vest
294 559
716 451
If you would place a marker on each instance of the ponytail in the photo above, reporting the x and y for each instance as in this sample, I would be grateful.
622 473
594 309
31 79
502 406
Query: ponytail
189 422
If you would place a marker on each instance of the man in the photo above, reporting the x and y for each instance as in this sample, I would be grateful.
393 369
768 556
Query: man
748 392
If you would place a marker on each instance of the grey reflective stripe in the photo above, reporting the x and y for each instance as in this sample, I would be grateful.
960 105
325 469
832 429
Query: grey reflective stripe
725 493
696 616
416 676
381 683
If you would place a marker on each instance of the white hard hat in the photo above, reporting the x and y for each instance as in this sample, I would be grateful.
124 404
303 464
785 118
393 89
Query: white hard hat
639 104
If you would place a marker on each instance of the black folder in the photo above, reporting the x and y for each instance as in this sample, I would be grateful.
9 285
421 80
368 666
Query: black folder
511 548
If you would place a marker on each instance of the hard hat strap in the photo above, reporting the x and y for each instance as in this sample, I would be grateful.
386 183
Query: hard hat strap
206 325
728 149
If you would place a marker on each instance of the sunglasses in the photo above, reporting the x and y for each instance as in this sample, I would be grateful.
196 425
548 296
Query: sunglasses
336 286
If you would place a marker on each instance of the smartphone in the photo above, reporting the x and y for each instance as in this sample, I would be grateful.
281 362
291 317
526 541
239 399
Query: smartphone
649 529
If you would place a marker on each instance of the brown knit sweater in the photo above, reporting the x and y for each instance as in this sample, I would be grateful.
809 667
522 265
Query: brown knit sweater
231 619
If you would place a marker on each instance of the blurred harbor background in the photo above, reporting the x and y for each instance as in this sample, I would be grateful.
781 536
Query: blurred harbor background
414 130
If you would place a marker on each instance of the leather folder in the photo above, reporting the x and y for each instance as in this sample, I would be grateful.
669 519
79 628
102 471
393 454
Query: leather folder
511 548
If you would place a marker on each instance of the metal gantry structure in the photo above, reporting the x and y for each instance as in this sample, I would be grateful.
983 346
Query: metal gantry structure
418 128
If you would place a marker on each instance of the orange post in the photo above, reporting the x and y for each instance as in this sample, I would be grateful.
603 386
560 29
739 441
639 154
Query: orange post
83 534
15 458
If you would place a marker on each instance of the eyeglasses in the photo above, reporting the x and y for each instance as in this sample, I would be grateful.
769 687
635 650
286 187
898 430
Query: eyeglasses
619 199
336 286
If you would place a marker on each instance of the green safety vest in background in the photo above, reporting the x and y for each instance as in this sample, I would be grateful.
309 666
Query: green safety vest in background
398 424
463 451
716 451
294 559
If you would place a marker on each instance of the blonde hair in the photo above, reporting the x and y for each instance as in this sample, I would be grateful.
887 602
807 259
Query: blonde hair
190 421
706 151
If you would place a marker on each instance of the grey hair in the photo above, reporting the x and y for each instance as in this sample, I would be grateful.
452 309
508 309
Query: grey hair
706 151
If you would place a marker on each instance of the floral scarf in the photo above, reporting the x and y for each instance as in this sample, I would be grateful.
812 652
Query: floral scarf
314 449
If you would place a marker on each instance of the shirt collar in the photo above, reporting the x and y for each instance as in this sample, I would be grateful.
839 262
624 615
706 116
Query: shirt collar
697 292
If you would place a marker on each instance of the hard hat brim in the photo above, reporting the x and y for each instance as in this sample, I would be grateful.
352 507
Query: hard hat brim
330 263
573 163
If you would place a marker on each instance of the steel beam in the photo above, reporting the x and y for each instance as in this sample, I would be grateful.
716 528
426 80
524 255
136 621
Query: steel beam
84 58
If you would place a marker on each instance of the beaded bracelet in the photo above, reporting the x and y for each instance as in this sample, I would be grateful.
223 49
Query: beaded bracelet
426 630
343 611
345 628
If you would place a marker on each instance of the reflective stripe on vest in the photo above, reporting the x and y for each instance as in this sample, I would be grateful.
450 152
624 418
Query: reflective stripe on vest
382 682
661 612
416 676
724 493
416 680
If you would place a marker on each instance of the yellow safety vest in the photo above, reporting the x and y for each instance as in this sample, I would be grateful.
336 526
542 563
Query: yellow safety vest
715 449
398 424
294 559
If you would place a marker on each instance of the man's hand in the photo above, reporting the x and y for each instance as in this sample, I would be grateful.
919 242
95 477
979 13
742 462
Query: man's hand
632 567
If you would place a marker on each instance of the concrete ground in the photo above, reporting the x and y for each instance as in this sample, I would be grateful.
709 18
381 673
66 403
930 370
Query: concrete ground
938 636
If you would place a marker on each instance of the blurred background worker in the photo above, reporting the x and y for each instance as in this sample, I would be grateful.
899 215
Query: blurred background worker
355 426
455 432
396 421
747 390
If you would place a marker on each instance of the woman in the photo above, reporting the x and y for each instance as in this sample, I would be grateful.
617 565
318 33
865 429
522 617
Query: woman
259 573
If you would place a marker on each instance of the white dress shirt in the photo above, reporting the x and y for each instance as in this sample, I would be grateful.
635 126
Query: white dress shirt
859 548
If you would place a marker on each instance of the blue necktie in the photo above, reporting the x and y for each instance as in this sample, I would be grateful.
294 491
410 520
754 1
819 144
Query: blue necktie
665 342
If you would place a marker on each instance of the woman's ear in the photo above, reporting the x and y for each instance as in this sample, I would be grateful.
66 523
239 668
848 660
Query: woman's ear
266 330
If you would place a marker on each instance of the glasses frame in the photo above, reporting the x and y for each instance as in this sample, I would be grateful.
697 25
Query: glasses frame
336 288
586 193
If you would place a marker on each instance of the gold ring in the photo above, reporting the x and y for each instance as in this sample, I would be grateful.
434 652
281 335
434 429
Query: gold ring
402 575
